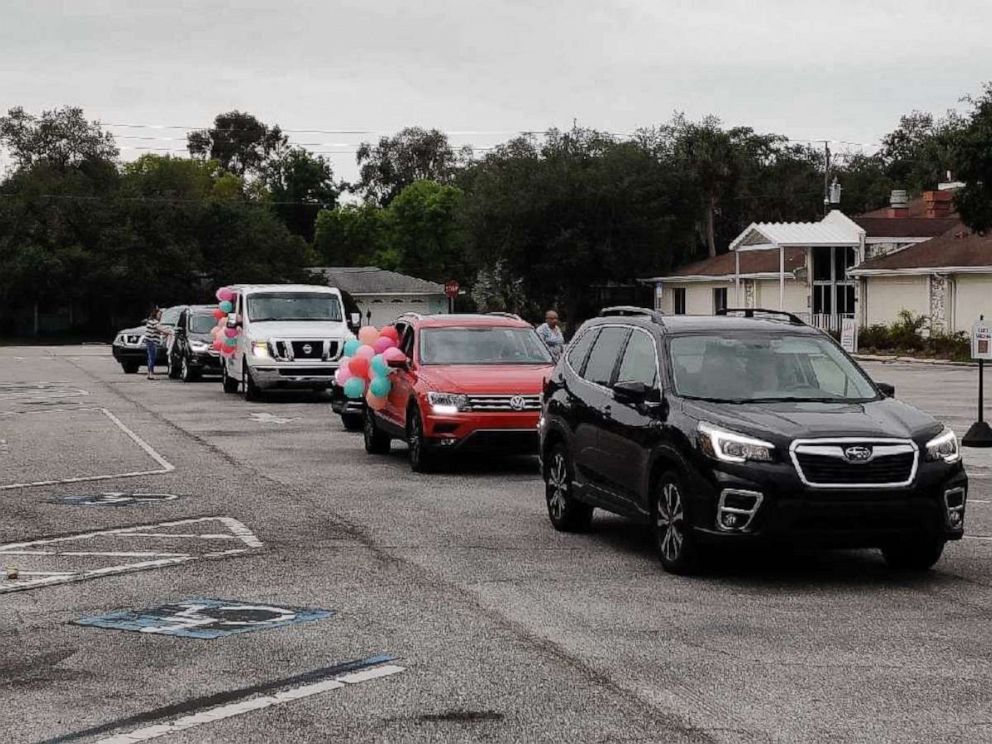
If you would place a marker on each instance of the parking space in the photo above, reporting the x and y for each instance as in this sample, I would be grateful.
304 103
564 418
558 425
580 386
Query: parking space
457 609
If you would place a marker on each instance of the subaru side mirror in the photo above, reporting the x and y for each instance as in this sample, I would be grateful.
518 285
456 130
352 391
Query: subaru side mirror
631 392
889 391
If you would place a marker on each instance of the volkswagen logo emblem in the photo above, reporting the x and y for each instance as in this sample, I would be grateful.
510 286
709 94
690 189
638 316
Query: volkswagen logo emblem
518 403
857 453
307 348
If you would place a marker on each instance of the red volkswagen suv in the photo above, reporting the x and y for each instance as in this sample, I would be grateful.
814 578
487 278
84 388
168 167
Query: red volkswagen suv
469 382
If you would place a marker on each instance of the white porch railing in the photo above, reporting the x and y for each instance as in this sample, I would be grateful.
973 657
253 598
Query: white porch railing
825 321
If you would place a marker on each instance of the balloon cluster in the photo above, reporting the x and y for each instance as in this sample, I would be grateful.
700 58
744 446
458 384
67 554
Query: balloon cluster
365 370
225 337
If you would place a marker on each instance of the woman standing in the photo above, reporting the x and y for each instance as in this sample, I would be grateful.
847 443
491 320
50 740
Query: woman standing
154 335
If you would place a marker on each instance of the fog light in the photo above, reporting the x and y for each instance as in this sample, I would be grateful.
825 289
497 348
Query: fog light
447 442
736 509
954 501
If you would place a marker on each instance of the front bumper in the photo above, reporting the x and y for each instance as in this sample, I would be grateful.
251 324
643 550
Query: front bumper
138 353
504 433
205 361
792 512
294 375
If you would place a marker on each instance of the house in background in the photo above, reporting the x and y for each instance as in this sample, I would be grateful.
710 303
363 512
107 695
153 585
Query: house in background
383 295
914 255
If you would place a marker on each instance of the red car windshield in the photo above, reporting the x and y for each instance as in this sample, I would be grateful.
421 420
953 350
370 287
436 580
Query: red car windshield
494 345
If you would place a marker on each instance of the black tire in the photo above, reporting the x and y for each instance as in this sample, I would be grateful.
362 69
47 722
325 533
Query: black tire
130 368
352 421
252 393
673 538
172 369
230 384
187 373
565 512
377 442
914 554
422 460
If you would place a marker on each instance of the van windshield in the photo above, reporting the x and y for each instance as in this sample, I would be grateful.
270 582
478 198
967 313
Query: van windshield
766 369
293 306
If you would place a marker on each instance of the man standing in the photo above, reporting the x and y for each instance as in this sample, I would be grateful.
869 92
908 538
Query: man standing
551 335
154 334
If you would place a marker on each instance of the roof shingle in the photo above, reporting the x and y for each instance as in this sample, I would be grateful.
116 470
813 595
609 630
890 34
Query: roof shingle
956 247
370 280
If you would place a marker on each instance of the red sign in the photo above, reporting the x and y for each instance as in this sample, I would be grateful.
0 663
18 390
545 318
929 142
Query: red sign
451 288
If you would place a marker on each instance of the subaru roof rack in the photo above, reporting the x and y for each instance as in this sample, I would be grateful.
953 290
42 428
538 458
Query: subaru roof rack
630 310
749 312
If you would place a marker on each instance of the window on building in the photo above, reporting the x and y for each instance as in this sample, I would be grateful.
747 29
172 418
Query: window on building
678 300
719 299
833 289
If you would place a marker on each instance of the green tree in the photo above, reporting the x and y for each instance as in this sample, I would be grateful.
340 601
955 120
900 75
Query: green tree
413 154
238 141
300 185
973 160
351 235
919 152
62 138
425 237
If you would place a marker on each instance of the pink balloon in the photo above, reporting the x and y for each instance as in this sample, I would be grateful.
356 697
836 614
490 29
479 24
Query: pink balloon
359 366
382 343
225 294
375 402
368 335
231 332
393 354
218 344
366 352
343 374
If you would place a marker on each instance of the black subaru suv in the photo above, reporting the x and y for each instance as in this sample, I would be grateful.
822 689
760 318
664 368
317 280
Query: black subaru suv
748 425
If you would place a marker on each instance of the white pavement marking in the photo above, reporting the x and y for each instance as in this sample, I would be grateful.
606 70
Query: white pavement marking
167 467
269 418
28 548
236 709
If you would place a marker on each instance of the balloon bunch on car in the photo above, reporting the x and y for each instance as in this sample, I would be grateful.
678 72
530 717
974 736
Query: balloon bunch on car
365 370
225 336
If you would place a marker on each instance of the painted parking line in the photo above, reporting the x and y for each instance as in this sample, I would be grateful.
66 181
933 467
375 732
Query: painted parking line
219 706
165 465
35 554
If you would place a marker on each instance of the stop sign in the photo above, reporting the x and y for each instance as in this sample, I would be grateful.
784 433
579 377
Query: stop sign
451 288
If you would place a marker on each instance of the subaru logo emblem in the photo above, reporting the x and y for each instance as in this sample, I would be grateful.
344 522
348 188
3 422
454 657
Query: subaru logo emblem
517 403
857 453
307 348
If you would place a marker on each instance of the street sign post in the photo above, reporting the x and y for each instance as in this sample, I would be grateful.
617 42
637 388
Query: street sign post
980 433
451 292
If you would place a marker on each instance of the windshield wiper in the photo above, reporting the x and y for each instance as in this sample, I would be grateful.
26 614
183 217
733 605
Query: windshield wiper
801 399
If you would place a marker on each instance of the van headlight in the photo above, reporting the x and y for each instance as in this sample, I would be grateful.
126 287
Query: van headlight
944 447
730 447
447 403
260 349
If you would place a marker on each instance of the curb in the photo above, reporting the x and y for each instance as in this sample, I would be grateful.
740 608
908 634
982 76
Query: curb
911 360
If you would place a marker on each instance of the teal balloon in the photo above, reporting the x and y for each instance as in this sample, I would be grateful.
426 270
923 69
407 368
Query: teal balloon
232 342
380 386
226 306
354 387
379 365
351 346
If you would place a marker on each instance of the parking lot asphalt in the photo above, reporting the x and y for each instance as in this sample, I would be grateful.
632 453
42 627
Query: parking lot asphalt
497 627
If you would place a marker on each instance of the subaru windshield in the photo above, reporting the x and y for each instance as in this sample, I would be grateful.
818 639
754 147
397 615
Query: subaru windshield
202 323
495 345
293 306
766 369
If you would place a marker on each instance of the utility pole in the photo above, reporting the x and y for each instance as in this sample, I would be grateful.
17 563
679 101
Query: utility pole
826 178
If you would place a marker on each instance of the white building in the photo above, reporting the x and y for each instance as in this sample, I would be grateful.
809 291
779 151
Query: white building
383 295
914 255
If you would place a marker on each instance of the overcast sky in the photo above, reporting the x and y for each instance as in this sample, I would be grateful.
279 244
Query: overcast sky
836 69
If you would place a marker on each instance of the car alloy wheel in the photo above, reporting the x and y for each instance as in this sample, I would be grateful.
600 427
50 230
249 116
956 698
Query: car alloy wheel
376 442
565 512
420 459
672 532
184 370
670 522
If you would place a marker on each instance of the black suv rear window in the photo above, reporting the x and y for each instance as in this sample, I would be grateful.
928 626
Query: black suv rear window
603 358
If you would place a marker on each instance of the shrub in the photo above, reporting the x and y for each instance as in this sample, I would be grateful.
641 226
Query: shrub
906 337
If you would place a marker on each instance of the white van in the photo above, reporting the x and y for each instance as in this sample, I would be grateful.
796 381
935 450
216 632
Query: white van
292 336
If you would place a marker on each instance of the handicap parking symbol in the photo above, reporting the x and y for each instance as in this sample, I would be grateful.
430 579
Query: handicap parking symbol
205 618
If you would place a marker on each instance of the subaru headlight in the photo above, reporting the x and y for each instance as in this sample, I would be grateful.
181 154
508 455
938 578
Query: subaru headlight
198 346
260 349
944 447
447 403
119 341
730 447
